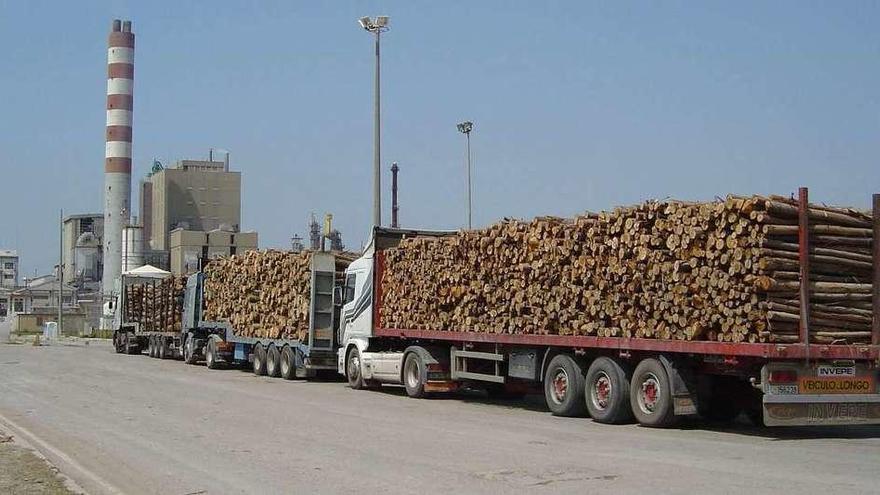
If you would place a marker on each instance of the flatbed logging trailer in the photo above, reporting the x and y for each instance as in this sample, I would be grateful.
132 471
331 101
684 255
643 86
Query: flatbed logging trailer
220 344
153 329
615 379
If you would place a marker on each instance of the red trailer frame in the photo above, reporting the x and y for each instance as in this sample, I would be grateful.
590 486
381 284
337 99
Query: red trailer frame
801 350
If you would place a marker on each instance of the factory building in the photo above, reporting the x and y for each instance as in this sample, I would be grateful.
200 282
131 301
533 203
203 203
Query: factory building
82 250
192 195
191 250
8 268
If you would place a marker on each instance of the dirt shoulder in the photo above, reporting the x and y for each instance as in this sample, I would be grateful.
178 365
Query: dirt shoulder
24 472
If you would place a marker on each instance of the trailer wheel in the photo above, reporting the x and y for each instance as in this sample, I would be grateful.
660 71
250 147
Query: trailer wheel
117 342
150 346
607 391
564 387
189 349
211 354
128 344
288 363
273 362
161 347
651 395
415 375
353 369
259 359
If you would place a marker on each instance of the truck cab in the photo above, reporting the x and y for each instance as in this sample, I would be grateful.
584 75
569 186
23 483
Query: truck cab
361 357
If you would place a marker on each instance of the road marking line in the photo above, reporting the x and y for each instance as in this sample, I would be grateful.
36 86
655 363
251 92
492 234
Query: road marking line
55 455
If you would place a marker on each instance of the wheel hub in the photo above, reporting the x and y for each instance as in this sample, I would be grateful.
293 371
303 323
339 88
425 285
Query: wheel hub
354 367
602 391
560 386
650 393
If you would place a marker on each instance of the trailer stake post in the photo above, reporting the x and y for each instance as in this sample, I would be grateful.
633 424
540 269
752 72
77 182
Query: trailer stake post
875 281
804 258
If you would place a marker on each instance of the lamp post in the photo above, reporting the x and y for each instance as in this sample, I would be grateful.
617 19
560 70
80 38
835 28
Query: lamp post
376 25
466 128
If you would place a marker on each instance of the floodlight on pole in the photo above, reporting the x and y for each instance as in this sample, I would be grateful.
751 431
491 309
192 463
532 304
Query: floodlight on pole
377 26
465 128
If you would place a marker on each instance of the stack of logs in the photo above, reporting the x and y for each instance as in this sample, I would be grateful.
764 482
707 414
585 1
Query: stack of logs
726 271
263 293
156 305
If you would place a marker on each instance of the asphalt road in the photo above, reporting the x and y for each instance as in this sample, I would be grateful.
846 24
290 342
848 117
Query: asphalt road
131 424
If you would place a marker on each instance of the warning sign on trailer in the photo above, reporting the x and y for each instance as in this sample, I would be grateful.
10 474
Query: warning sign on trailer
854 385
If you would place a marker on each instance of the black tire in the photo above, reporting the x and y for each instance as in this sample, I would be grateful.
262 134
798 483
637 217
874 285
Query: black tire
259 360
288 363
354 369
151 346
189 349
117 342
607 391
129 346
651 395
564 387
273 362
415 375
161 347
211 354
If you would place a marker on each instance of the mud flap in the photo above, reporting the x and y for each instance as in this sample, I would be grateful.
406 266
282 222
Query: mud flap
681 380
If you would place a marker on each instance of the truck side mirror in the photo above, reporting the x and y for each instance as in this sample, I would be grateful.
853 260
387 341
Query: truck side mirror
337 295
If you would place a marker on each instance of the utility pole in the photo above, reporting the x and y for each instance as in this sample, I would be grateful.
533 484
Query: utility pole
60 271
376 26
466 128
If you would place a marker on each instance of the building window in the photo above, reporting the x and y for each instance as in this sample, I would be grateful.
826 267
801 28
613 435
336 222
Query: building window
9 266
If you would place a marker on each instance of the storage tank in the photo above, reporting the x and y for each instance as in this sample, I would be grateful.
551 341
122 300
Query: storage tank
132 247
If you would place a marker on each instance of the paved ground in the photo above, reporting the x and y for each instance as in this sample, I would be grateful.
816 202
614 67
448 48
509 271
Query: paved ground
131 424
24 472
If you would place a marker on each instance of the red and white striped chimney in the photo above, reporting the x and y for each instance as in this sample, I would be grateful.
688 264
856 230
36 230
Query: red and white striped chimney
117 162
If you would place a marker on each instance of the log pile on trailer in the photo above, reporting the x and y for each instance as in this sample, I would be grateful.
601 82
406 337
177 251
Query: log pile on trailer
263 293
156 305
725 270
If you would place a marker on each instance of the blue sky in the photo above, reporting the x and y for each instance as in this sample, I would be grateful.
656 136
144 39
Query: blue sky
576 105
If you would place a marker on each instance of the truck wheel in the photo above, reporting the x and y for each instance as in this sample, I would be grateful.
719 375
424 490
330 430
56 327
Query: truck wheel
189 349
288 363
161 347
128 344
353 369
117 342
151 346
415 375
259 360
211 354
607 391
273 362
651 395
564 387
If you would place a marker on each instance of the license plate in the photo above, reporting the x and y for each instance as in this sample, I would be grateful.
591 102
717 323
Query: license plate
853 385
784 389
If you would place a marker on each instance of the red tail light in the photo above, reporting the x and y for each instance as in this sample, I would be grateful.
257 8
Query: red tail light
783 376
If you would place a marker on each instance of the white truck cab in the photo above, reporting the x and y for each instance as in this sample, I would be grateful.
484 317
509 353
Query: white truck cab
358 357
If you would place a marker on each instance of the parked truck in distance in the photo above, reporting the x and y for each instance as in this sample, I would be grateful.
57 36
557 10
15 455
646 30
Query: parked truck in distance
220 344
146 313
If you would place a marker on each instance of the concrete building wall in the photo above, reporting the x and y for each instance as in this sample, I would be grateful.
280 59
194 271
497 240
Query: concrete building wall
145 209
191 250
199 197
8 268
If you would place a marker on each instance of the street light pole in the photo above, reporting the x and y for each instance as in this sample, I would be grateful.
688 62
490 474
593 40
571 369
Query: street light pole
466 128
376 25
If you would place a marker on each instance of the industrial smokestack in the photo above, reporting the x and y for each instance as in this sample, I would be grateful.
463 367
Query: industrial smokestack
117 161
394 206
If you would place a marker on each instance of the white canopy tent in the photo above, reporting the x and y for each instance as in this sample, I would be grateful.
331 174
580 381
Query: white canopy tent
147 271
